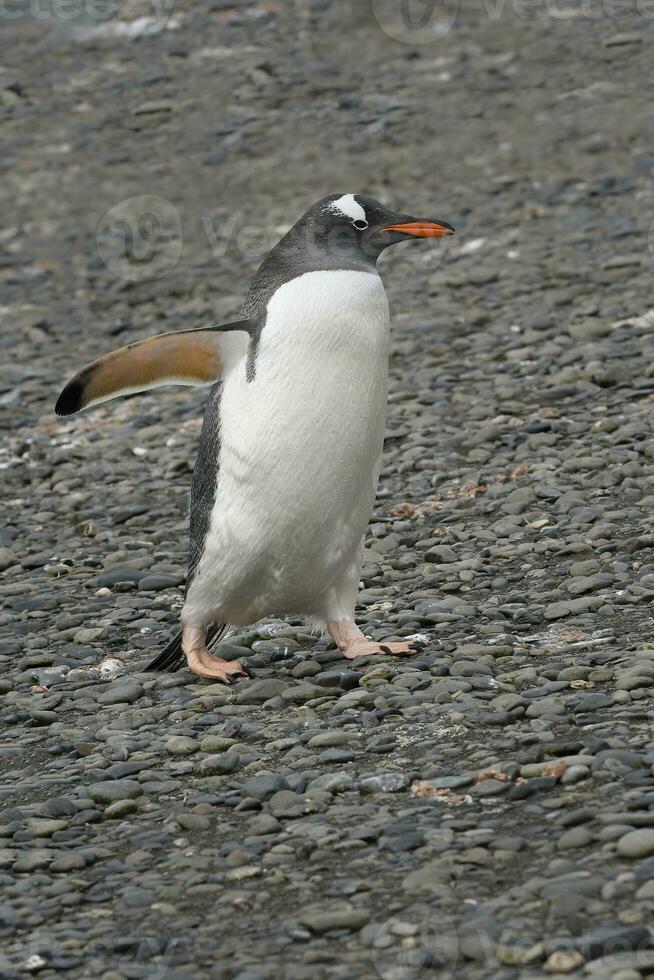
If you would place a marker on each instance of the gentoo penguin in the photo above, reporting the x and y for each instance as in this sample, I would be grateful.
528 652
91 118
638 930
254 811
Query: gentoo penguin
291 443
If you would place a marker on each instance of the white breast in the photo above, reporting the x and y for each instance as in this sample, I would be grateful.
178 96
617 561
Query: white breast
300 445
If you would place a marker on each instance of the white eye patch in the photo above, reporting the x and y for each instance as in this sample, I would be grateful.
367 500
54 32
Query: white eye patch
348 206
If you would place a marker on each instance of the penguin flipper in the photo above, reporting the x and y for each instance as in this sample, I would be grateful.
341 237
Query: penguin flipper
185 357
172 656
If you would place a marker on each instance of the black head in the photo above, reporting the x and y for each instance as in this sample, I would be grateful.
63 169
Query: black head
357 227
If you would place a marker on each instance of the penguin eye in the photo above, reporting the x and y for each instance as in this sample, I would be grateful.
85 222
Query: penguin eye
360 223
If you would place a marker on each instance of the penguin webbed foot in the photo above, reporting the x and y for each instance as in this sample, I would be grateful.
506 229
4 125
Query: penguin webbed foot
368 648
203 664
352 643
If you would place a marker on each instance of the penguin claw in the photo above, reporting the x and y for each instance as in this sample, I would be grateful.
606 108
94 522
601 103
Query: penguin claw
233 679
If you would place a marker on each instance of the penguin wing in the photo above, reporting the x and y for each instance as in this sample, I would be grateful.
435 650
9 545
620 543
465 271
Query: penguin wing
186 357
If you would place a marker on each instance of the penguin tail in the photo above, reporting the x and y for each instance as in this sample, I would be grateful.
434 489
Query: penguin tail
172 656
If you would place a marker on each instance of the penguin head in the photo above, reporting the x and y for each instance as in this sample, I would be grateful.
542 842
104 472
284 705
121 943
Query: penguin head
355 224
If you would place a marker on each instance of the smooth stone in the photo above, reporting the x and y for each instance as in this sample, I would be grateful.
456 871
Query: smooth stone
181 745
223 763
113 790
68 862
120 694
322 922
156 583
575 837
7 559
637 843
329 739
40 827
389 782
261 691
119 809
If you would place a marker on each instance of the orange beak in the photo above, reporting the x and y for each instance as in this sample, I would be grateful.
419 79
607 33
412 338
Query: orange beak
422 229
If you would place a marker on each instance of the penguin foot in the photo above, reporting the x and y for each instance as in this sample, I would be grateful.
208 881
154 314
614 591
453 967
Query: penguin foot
211 668
352 643
204 664
368 648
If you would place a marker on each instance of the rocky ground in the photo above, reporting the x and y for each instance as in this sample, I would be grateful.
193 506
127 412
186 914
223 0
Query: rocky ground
486 808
